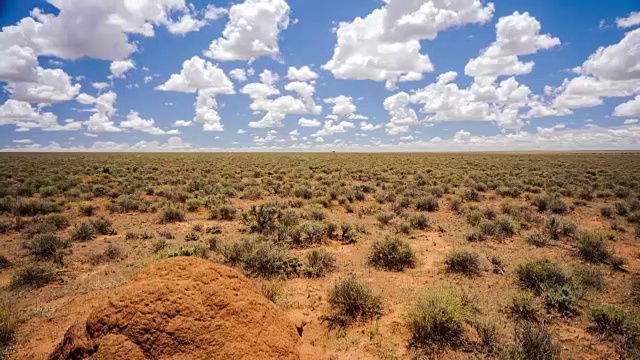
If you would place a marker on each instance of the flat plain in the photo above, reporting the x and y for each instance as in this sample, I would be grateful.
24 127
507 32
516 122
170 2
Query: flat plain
375 256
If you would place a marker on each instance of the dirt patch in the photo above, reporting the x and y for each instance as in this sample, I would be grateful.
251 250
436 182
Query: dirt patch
183 308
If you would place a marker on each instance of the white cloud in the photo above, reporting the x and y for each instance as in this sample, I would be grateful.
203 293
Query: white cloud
104 109
183 123
308 122
185 25
631 20
303 74
516 35
241 131
253 31
239 75
135 122
620 61
206 110
343 105
385 45
23 141
330 129
365 126
401 116
119 67
198 74
630 108
50 86
100 85
25 117
17 63
631 121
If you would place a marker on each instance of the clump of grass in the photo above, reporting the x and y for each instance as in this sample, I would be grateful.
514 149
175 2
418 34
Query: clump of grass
429 203
538 238
82 232
47 247
192 236
8 326
159 245
463 261
102 226
534 341
262 258
488 334
608 320
523 307
351 301
437 320
607 212
593 247
419 221
385 217
589 277
171 214
195 251
34 275
272 290
392 254
319 263
538 275
112 252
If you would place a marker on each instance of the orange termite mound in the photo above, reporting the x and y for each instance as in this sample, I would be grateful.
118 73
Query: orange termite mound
183 308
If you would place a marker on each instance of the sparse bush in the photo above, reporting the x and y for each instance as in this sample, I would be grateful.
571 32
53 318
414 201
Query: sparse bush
112 252
589 277
310 233
463 261
538 275
87 209
193 205
437 320
593 247
607 212
429 203
82 232
635 289
488 334
349 235
608 320
622 208
34 275
195 251
8 326
391 254
262 258
319 263
563 298
102 226
534 341
385 217
47 247
538 238
471 194
523 307
171 214
261 219
192 236
505 226
159 245
351 301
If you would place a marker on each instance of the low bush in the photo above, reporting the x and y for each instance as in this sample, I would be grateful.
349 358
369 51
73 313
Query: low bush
608 320
392 254
541 274
350 301
47 247
538 238
429 203
112 252
523 307
262 258
102 226
589 277
385 217
607 212
8 326
34 275
437 320
534 341
319 263
593 247
171 214
82 232
463 261
635 289
195 251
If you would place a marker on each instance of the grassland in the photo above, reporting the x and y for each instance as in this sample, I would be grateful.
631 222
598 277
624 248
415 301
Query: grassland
384 256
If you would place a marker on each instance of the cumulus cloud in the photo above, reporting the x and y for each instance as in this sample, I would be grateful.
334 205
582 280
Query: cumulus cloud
198 74
385 45
104 110
330 129
50 86
119 67
309 122
253 31
135 122
302 74
630 108
401 115
343 105
25 117
516 35
631 20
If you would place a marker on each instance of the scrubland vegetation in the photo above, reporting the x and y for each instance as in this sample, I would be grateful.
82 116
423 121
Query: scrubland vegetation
505 256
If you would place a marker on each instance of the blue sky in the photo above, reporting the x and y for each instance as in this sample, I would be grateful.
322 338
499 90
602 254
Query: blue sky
543 74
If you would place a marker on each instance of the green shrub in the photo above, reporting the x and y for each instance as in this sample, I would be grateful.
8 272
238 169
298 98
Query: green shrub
593 247
385 217
351 301
504 226
102 226
195 251
471 194
112 252
171 214
261 219
192 236
488 334
607 212
310 233
47 247
319 263
563 298
437 320
392 254
87 209
622 208
463 261
534 342
429 203
538 275
159 245
262 258
193 205
82 232
589 277
349 235
34 275
608 320
8 326
538 238
523 307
